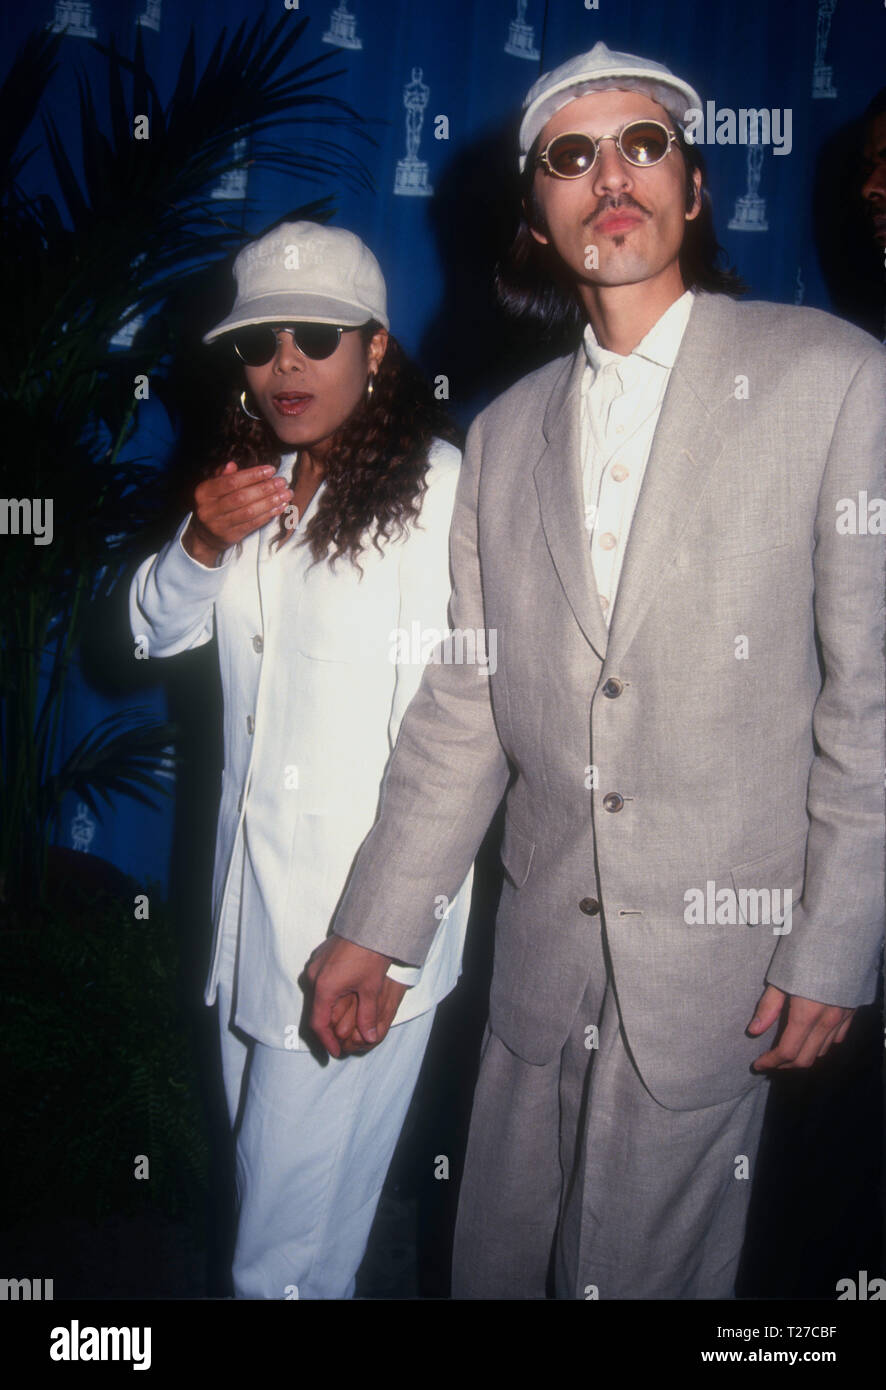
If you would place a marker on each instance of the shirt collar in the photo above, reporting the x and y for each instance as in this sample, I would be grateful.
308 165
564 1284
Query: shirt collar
660 345
284 470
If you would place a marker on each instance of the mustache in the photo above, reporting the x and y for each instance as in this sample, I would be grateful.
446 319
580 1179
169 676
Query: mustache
615 203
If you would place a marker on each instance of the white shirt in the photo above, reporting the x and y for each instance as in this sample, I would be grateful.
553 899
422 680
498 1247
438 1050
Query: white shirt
620 403
314 691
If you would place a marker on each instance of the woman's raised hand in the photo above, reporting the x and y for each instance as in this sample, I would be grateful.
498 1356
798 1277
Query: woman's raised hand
232 504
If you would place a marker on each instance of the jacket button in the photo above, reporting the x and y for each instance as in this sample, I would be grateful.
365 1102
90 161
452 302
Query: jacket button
250 724
613 802
589 906
613 688
257 643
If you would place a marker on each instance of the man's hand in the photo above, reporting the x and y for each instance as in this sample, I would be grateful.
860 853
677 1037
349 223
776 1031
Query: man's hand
229 506
344 1018
340 969
810 1031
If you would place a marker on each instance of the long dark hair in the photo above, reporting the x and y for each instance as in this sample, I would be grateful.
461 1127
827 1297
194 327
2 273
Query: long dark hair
536 287
375 469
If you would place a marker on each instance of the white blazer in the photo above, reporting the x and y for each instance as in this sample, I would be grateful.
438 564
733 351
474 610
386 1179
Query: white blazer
315 685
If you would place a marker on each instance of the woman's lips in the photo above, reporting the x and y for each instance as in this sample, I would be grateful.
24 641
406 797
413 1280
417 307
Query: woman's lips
291 402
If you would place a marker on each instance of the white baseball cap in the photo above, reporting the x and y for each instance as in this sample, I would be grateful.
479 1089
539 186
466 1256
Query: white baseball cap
302 271
599 70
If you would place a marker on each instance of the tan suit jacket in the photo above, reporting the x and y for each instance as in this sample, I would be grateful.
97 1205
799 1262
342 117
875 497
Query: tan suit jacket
707 767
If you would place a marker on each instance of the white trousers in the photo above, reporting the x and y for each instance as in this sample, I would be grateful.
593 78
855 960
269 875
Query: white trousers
313 1147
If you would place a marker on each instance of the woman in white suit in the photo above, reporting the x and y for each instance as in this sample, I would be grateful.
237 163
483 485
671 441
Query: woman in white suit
317 546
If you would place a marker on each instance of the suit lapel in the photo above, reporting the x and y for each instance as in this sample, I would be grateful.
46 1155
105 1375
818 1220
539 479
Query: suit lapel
559 487
686 445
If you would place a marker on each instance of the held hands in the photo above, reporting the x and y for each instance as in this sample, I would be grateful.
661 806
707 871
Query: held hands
354 1001
230 505
810 1031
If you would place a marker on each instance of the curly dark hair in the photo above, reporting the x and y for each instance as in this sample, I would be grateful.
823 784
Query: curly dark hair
375 469
534 285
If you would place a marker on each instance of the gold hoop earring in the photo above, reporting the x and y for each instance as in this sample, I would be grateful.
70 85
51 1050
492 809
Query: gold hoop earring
370 386
245 409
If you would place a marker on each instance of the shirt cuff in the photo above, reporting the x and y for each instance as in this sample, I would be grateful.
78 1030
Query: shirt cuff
178 544
405 974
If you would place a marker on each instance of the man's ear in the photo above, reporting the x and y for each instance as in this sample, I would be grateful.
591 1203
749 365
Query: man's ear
694 208
532 223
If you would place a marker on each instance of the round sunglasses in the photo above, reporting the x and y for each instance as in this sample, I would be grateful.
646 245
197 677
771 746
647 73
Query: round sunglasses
573 154
256 345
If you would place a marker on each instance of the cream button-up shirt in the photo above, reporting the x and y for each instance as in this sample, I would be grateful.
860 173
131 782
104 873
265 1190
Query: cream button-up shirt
620 403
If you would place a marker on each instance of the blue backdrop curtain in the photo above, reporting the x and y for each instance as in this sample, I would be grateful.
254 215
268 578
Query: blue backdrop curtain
462 69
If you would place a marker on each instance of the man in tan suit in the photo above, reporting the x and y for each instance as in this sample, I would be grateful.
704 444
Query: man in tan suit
670 533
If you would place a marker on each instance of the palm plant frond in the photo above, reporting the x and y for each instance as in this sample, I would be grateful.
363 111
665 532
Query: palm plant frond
117 756
20 95
121 239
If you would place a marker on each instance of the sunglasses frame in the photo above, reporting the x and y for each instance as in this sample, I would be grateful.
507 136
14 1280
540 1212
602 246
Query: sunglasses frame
292 328
543 158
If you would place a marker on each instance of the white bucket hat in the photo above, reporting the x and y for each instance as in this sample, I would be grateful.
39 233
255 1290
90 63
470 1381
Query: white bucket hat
302 271
599 70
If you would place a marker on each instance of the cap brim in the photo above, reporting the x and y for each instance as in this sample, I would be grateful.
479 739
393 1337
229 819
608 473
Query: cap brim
299 308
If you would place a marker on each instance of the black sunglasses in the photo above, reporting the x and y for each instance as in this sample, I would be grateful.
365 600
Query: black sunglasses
572 154
257 344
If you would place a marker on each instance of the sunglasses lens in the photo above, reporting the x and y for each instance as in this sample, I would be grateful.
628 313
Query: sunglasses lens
644 142
317 340
256 345
571 155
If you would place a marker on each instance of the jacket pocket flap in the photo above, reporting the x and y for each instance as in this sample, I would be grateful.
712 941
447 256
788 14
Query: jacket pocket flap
761 885
516 854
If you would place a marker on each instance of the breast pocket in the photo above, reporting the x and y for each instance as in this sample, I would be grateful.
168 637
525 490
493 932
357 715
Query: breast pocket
745 513
344 620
